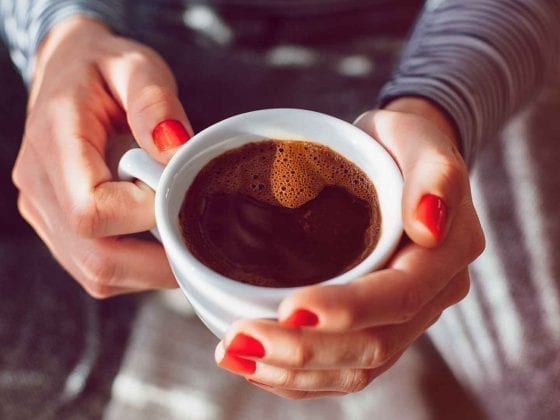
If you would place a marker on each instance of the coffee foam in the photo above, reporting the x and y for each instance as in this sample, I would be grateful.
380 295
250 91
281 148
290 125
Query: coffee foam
283 172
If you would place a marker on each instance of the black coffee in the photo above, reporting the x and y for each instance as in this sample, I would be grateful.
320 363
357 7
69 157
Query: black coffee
280 214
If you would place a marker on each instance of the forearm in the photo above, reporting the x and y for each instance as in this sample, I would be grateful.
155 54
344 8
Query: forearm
24 23
479 60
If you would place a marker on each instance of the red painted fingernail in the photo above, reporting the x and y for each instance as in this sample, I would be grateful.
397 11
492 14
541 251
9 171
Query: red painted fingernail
238 365
432 211
245 346
301 318
169 134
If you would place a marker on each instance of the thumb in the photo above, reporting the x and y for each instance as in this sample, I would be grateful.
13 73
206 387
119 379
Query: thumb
435 176
146 89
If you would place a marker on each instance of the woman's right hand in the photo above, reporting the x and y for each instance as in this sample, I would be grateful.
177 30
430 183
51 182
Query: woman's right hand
89 85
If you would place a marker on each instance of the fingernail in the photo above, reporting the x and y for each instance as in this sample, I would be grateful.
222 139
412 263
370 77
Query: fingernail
432 211
169 134
245 346
238 365
301 318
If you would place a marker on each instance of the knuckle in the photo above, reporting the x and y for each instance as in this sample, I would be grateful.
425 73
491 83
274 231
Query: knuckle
154 96
132 56
22 207
142 57
141 54
286 379
97 291
20 172
411 302
374 353
346 318
84 219
478 243
454 175
434 320
456 166
356 380
461 289
99 273
138 57
17 176
381 352
302 355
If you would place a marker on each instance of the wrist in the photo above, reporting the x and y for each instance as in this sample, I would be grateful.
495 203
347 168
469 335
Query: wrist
429 110
74 29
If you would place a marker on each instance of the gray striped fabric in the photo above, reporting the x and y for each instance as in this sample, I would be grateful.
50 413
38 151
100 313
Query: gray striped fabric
24 23
479 59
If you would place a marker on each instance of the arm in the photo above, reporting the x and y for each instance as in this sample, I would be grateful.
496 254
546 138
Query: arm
88 86
24 23
467 67
478 60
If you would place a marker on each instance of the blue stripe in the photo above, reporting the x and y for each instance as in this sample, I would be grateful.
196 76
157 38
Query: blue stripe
24 23
480 60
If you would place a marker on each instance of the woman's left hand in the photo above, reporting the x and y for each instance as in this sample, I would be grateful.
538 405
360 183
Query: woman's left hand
334 340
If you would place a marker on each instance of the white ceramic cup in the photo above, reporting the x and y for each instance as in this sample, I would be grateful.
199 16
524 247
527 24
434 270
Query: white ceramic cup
218 300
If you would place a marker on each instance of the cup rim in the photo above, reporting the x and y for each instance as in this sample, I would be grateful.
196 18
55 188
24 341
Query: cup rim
184 261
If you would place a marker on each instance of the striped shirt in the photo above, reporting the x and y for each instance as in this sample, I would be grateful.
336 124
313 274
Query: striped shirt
478 59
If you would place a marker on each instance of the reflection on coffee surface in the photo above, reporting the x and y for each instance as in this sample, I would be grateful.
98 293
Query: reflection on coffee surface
280 213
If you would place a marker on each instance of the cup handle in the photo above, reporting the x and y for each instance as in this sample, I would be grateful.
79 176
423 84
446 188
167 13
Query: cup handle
137 164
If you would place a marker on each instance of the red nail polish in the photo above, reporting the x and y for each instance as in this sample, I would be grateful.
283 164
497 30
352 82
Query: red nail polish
432 211
238 365
301 318
245 346
169 134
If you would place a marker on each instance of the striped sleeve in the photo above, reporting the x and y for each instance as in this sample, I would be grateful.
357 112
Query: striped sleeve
24 23
479 60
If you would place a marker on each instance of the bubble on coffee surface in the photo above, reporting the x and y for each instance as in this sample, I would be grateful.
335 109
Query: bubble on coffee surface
283 172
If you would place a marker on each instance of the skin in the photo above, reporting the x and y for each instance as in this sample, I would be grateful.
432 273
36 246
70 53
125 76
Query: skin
366 325
89 85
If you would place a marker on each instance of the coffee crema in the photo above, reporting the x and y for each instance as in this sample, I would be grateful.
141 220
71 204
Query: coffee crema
280 213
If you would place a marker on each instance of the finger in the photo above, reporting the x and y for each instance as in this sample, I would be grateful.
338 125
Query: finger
434 172
82 184
337 380
147 91
343 381
123 263
104 267
115 208
393 339
247 368
267 342
35 218
299 395
101 266
394 295
296 349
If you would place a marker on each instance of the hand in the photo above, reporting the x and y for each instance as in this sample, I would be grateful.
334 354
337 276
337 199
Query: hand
89 85
334 340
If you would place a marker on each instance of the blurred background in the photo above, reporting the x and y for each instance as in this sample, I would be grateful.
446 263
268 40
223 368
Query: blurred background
65 355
